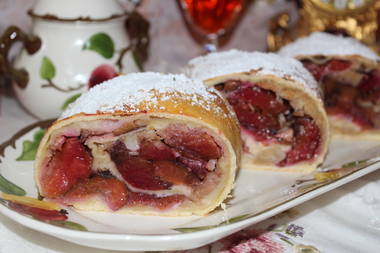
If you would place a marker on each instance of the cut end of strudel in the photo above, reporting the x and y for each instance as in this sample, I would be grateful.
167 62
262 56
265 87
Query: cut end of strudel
278 104
349 74
145 143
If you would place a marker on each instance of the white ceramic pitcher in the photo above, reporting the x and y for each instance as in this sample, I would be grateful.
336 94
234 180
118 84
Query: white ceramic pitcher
74 45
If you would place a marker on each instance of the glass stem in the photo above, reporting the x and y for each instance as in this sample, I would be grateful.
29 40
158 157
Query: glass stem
212 43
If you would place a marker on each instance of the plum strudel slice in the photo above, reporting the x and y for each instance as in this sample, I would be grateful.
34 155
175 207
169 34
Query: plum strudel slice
277 102
349 74
144 143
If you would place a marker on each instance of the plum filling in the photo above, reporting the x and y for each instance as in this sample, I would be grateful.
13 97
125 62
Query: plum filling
350 92
150 171
321 70
271 119
195 149
113 191
68 165
305 143
116 195
174 156
136 170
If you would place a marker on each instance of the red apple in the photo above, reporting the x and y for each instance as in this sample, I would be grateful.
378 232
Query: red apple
100 74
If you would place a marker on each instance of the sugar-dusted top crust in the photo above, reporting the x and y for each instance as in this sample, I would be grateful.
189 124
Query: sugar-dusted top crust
320 43
130 91
156 94
236 61
151 96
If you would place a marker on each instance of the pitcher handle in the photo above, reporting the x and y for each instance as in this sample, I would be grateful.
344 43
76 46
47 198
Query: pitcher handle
31 43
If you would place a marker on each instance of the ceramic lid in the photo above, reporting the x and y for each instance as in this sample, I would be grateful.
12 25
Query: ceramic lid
77 9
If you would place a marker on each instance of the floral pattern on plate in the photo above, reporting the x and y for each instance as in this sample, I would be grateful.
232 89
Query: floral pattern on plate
13 196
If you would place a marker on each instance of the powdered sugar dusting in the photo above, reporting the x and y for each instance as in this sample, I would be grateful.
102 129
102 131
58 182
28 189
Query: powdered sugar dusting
320 43
132 90
236 61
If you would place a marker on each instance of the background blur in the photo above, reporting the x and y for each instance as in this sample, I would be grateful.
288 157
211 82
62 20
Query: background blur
171 43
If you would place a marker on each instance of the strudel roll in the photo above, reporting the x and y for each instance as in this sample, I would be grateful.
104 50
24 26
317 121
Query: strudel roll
145 143
278 104
349 74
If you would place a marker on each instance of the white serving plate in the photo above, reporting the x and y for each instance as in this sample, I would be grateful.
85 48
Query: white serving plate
257 196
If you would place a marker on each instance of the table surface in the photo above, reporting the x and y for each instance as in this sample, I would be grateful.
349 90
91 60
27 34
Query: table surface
344 220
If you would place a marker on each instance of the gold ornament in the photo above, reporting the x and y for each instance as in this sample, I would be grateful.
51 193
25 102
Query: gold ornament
356 18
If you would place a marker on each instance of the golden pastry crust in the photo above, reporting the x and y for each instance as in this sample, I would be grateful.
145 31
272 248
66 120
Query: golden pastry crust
320 43
175 106
284 76
343 127
321 47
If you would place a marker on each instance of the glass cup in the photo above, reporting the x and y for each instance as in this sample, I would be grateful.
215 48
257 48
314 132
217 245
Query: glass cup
211 19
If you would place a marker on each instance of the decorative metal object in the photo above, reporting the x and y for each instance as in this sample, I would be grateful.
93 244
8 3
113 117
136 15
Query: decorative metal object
359 19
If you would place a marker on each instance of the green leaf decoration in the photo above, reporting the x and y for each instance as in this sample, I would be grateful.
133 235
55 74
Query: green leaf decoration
355 164
29 148
10 188
237 218
307 251
280 228
310 187
47 69
300 248
69 225
102 44
70 100
287 241
196 229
